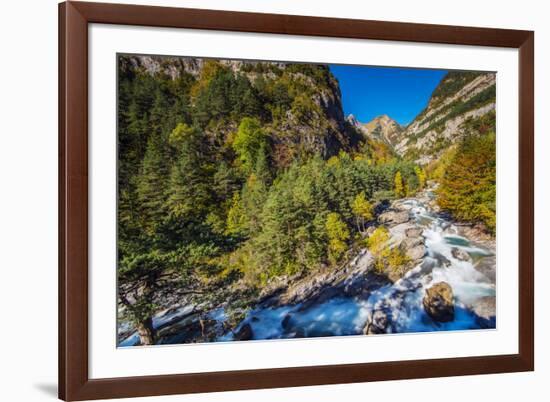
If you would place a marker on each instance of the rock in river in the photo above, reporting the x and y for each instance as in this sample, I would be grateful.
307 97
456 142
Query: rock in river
394 217
416 253
414 248
244 333
485 311
460 254
414 231
376 324
438 302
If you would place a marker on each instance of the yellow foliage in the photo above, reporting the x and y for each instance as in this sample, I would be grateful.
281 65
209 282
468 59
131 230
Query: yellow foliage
333 161
378 240
178 134
338 233
436 169
396 259
208 71
361 207
468 187
236 219
336 247
398 182
406 190
421 174
384 256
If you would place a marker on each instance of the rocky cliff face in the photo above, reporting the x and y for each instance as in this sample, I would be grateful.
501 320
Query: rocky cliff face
303 99
381 128
307 114
459 100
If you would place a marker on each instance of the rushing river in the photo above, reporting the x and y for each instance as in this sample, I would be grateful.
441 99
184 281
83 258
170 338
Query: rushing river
401 301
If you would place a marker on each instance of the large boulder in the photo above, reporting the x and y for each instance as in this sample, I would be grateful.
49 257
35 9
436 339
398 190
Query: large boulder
439 302
460 254
377 323
411 242
416 253
394 217
487 266
413 247
286 321
414 231
442 261
244 333
485 310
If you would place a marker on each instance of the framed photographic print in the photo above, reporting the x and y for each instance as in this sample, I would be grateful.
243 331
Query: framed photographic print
257 201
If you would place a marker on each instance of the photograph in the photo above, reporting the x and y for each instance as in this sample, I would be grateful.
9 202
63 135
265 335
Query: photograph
268 200
262 201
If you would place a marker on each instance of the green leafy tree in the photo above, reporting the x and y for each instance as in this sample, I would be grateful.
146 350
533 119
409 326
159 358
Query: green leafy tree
363 210
338 234
250 143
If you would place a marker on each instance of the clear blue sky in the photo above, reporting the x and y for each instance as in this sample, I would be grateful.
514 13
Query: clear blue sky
401 93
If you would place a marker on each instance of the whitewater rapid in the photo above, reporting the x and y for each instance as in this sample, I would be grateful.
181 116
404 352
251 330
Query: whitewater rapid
400 301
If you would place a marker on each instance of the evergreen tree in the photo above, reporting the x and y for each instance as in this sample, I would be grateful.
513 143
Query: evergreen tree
190 181
151 186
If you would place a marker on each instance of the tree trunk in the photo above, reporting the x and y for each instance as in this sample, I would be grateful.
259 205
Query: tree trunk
146 332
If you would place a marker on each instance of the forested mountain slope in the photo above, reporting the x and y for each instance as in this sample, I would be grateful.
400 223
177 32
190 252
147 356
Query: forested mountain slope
460 103
299 105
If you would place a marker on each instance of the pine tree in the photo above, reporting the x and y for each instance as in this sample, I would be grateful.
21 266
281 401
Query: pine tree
151 186
190 180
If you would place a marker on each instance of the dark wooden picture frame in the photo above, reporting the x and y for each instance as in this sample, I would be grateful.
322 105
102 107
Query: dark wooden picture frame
74 381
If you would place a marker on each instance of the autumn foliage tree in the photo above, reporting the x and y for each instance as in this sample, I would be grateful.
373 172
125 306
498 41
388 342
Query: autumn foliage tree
468 186
338 234
398 185
421 175
363 211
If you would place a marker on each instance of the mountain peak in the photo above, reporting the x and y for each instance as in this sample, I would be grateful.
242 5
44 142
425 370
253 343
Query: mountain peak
385 128
384 119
